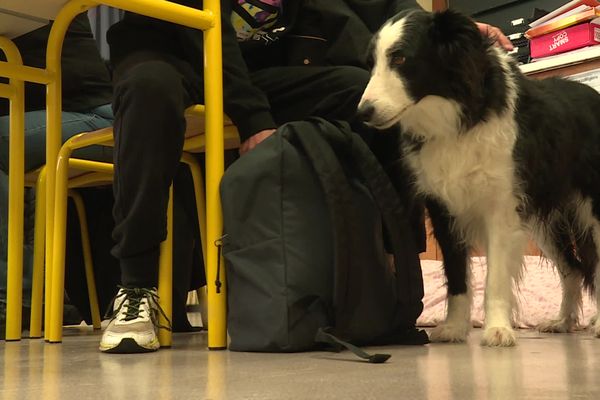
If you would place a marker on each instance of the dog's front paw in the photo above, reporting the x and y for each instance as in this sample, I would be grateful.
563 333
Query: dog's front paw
453 333
499 336
563 325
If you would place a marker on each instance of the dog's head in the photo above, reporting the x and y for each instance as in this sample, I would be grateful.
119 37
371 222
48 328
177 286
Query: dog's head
422 61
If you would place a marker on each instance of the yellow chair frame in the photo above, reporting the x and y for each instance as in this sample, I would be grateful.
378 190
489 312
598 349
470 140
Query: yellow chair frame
208 20
14 91
101 170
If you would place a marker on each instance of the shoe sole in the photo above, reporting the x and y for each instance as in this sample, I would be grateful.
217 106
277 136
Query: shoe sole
130 346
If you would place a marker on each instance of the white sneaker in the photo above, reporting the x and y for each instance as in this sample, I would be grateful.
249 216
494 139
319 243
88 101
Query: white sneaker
134 325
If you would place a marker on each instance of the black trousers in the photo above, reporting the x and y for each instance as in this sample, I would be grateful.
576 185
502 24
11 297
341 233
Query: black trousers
150 97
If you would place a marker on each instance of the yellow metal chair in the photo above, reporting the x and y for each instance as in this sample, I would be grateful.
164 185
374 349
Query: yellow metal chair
14 92
207 20
37 179
99 171
17 180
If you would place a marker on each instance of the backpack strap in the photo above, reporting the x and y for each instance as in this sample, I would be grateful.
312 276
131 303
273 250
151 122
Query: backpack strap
409 277
318 145
325 336
338 195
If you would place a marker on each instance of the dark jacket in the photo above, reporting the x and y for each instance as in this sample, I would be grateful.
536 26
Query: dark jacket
85 81
324 32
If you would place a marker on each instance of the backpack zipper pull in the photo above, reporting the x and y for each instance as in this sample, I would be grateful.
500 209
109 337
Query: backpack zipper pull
219 243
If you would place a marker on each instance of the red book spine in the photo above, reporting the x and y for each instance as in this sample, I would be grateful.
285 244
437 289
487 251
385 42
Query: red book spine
565 40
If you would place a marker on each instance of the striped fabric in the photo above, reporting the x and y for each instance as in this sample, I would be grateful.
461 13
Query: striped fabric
252 18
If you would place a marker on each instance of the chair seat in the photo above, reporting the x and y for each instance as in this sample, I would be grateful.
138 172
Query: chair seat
77 178
195 142
194 133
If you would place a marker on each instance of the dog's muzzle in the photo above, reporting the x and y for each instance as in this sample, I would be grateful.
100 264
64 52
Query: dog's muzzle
365 111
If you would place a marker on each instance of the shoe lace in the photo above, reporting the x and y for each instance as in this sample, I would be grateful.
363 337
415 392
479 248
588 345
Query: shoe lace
134 297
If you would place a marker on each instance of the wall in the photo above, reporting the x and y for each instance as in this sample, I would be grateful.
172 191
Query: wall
101 18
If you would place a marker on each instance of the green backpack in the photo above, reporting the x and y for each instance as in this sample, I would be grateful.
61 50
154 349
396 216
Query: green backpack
311 223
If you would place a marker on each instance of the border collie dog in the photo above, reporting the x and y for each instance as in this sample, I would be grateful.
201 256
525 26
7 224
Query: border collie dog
497 157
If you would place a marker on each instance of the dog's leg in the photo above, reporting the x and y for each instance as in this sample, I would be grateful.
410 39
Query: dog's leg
454 250
505 243
588 249
556 244
595 323
570 306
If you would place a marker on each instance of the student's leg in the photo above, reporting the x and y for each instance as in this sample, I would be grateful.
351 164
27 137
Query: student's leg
150 100
35 133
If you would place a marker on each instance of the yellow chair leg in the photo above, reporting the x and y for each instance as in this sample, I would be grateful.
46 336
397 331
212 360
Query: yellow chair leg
87 257
215 266
165 278
16 198
48 269
37 286
196 171
57 285
213 96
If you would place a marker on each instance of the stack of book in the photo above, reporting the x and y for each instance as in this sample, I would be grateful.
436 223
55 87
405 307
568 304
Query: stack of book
571 26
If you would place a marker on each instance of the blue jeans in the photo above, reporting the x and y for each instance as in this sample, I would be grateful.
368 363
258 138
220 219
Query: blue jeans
35 155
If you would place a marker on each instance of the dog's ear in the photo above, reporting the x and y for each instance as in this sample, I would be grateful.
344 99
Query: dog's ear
453 32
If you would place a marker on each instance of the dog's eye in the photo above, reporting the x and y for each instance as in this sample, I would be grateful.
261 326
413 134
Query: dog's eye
398 60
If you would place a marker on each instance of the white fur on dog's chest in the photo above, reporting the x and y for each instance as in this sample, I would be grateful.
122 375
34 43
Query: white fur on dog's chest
469 170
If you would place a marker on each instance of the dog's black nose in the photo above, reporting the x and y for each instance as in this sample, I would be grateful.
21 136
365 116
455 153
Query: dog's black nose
365 111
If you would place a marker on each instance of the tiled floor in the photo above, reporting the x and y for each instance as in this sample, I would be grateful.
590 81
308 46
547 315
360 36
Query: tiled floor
561 366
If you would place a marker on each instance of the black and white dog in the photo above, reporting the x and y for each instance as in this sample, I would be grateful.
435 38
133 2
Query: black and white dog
497 156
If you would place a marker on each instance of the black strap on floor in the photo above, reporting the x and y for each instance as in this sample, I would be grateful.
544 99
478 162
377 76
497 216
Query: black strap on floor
325 337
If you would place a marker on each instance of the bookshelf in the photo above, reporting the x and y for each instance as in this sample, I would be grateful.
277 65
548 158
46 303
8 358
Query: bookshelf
566 64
